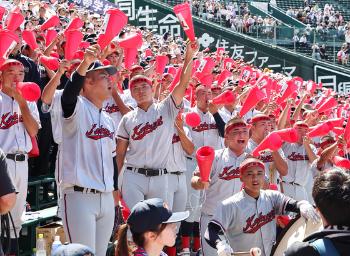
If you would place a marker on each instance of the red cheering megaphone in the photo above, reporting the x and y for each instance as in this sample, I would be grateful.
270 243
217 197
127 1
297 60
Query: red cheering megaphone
49 36
130 45
30 91
176 79
328 104
288 135
114 22
225 74
73 40
8 41
254 97
183 13
30 38
161 62
76 23
51 63
205 157
320 130
52 22
224 98
272 142
341 162
14 20
291 88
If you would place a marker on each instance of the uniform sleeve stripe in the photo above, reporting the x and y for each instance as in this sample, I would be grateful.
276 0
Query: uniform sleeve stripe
121 137
219 224
179 106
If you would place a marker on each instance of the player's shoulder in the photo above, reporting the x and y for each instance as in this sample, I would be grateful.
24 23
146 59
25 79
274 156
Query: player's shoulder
220 152
234 199
301 249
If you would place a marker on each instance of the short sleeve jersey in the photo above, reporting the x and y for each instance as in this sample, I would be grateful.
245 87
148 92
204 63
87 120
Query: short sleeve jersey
250 222
149 134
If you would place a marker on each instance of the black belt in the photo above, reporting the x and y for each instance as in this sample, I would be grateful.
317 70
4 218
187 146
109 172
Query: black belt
16 157
189 158
291 183
176 173
148 172
87 190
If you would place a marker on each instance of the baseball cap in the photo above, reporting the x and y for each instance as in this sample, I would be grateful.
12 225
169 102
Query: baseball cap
73 250
147 215
250 162
96 65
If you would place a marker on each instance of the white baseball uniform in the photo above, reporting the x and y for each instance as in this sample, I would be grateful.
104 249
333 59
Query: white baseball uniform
224 182
266 157
149 134
88 147
14 139
249 222
227 115
299 171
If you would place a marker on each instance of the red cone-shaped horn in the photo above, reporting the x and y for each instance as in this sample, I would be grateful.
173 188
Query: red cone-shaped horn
176 79
8 41
288 135
50 35
76 23
129 57
336 122
131 41
115 20
224 98
291 87
328 104
73 39
225 74
125 210
319 130
30 91
30 38
341 162
272 142
161 62
205 157
206 66
52 22
192 119
51 63
2 12
14 20
183 13
206 80
255 95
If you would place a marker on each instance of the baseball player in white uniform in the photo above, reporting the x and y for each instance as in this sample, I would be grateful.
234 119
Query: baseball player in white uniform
299 156
19 122
224 175
205 134
145 136
89 170
247 219
261 127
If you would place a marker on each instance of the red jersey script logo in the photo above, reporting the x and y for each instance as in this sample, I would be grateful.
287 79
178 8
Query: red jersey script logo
111 108
8 120
254 225
176 138
204 127
297 157
97 133
141 131
229 174
265 157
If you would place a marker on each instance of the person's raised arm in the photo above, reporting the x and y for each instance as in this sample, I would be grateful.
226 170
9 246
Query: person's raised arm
179 91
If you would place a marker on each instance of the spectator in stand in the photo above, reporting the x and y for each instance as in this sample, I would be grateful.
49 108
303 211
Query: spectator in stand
303 41
322 51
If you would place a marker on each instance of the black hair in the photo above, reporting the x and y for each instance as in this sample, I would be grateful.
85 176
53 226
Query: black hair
331 193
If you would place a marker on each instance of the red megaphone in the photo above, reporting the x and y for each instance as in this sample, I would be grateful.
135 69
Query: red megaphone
205 157
288 135
172 70
336 122
2 12
50 23
320 130
30 38
161 62
328 104
246 73
225 98
49 36
73 39
311 86
206 79
192 119
103 41
225 74
176 79
8 41
30 91
341 162
272 142
291 88
76 23
14 20
125 210
183 13
255 95
347 133
129 57
206 66
338 131
131 41
34 152
51 63
229 63
115 20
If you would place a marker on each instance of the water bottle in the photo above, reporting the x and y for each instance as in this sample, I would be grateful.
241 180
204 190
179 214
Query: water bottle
40 246
56 243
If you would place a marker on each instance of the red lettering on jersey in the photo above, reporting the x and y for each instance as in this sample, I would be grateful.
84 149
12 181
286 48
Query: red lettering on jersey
265 157
111 108
254 225
8 120
97 133
229 174
297 157
204 127
176 138
139 132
